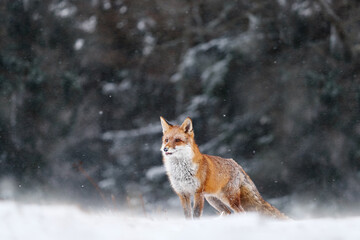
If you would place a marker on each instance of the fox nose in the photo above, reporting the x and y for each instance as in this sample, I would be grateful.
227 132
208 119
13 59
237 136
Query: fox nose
166 149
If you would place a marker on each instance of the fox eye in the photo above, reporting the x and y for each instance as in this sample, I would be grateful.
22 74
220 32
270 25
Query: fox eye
178 140
166 140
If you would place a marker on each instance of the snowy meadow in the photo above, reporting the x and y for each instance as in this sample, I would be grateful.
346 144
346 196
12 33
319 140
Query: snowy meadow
26 221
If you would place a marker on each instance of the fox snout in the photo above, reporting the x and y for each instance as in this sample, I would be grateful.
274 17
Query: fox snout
168 146
167 150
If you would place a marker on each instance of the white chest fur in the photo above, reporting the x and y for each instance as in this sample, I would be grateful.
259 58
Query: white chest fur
181 170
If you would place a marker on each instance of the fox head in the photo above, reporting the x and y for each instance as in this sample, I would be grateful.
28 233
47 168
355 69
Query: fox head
177 140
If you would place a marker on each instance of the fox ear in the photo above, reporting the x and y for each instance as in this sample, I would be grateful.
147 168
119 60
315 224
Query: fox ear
165 124
187 126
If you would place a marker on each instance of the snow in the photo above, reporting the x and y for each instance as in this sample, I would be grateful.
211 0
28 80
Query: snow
107 183
107 5
121 134
88 25
43 222
116 88
155 172
63 9
123 9
214 75
79 44
305 9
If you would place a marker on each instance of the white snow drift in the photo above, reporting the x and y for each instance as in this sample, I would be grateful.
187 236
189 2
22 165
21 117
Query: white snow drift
19 221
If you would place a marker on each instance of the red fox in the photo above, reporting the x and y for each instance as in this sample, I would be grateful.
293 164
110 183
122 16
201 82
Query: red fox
223 182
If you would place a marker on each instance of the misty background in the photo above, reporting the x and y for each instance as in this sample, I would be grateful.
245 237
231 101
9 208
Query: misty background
272 84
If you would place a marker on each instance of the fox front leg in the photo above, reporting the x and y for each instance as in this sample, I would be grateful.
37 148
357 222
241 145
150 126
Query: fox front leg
186 204
198 204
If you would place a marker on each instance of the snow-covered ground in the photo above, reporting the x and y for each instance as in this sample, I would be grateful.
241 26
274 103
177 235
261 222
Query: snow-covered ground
52 222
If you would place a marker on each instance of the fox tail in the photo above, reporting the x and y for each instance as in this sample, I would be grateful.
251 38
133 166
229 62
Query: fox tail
252 201
268 210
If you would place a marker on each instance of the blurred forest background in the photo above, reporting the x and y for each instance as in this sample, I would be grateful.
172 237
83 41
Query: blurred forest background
273 84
